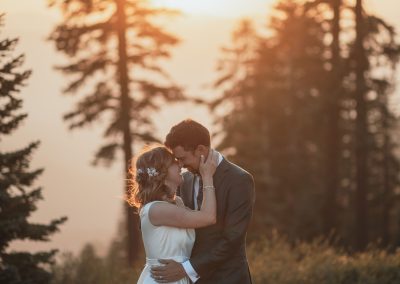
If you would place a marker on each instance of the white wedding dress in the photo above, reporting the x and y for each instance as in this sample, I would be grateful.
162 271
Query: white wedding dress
162 242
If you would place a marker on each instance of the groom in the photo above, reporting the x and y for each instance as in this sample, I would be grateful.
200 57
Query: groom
219 252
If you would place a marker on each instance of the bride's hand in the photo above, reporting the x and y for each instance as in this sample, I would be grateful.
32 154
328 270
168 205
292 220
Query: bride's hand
207 168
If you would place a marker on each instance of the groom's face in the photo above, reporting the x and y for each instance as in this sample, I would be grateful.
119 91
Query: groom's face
188 159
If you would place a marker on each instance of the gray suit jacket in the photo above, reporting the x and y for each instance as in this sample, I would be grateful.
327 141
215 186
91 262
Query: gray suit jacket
219 252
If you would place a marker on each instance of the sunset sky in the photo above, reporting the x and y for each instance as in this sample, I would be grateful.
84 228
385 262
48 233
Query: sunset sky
91 197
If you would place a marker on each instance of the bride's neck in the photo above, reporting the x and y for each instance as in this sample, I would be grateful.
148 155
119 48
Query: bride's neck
170 194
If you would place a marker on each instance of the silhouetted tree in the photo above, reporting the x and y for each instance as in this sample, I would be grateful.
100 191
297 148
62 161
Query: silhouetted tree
115 47
288 112
271 127
361 62
382 54
17 198
333 131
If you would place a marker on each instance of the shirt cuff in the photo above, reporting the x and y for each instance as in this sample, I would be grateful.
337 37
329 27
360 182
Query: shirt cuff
190 271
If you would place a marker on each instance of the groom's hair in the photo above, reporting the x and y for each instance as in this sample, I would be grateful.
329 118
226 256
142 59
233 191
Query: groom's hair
189 134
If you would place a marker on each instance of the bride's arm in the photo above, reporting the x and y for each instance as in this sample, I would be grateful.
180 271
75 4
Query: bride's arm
162 213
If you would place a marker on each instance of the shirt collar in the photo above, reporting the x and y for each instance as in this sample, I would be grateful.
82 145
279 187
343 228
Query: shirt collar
220 157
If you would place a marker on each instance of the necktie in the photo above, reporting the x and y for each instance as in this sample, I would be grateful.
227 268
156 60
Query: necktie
199 198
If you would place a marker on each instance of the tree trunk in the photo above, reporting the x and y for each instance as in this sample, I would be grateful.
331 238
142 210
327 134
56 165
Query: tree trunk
333 132
361 132
132 222
387 186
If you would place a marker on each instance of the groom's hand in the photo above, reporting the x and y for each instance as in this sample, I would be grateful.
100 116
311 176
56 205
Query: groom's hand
171 271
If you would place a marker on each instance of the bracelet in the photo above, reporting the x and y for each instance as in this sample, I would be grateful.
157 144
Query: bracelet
208 187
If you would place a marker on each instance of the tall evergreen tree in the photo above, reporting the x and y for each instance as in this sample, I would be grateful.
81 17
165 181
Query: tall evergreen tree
382 54
333 134
235 107
361 62
293 121
115 46
17 198
268 126
293 81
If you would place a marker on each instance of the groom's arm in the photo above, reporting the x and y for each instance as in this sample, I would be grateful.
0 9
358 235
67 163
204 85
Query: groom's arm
238 215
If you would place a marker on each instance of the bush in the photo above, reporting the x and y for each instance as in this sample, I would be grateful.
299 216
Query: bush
89 268
275 261
272 261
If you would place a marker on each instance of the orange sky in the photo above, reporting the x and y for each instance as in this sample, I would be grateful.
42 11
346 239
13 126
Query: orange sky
91 197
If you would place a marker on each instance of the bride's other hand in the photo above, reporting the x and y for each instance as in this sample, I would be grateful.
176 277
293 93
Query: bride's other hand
166 214
207 168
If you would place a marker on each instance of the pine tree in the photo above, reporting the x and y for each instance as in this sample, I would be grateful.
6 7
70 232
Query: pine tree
382 53
237 75
294 83
17 198
115 47
236 117
293 122
361 62
333 131
270 126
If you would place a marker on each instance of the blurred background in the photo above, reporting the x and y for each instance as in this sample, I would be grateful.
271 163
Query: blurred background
303 94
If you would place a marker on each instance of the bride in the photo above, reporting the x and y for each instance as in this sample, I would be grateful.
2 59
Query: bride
167 226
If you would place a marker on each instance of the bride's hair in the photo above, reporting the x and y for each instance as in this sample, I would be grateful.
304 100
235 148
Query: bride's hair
148 171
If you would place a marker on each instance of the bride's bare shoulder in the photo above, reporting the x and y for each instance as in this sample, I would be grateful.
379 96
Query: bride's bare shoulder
160 207
161 213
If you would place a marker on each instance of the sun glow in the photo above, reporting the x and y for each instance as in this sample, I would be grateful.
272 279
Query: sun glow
214 7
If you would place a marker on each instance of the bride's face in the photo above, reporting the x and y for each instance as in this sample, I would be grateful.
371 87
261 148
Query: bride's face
174 177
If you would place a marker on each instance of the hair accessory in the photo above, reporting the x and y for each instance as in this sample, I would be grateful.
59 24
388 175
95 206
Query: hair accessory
152 172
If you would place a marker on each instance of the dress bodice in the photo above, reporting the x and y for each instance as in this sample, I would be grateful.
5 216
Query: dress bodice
163 242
